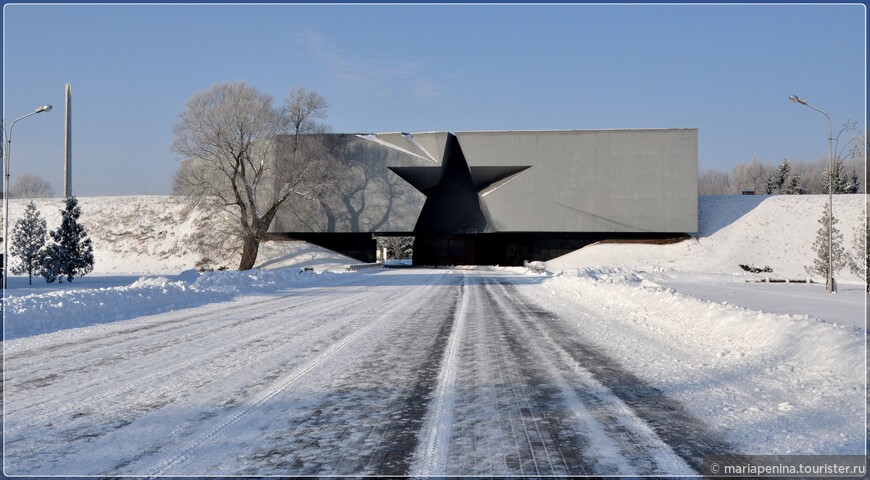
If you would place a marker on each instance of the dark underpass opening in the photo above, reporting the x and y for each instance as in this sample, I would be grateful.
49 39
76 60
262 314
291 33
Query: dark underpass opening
514 249
502 248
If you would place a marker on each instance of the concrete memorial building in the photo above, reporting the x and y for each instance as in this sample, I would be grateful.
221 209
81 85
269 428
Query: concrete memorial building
503 197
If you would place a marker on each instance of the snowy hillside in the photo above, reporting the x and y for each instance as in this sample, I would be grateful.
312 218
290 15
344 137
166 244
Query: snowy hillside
756 230
158 235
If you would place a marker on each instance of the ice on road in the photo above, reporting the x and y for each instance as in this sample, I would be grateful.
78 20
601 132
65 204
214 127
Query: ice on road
423 372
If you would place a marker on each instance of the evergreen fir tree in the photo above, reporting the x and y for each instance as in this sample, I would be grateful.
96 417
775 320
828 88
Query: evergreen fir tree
784 181
841 181
777 178
71 254
854 184
772 187
820 246
28 240
793 186
49 265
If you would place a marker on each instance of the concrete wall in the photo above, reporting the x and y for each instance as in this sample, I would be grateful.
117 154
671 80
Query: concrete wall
368 196
578 181
591 180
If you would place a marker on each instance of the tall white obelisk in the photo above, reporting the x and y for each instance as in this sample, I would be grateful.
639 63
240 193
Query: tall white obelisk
67 140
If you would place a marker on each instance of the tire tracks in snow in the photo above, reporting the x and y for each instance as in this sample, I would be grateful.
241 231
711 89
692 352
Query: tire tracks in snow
184 319
259 399
125 412
533 426
482 419
366 421
528 427
381 313
527 406
87 397
430 456
392 454
644 418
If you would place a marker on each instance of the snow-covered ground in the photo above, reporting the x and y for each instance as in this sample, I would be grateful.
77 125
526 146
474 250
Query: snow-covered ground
771 383
95 300
101 298
145 250
158 235
431 372
181 373
754 230
778 365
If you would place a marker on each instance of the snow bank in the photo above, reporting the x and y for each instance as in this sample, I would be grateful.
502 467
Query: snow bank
38 313
721 328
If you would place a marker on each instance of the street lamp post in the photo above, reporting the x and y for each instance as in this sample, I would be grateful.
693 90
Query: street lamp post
6 158
831 286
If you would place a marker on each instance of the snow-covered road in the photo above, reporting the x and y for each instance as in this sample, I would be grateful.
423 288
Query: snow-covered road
423 372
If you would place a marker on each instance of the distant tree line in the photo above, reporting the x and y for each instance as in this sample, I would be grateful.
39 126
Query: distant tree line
792 177
800 178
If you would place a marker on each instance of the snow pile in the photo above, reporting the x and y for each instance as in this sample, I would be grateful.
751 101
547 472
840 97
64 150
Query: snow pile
723 328
610 275
259 280
753 230
37 313
300 254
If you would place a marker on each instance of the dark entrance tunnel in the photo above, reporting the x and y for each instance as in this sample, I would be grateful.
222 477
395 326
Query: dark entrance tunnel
505 249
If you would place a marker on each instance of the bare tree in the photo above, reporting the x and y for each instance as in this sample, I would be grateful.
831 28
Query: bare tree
248 157
751 176
30 186
713 182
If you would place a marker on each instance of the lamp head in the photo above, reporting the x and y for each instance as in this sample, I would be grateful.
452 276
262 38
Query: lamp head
44 108
797 99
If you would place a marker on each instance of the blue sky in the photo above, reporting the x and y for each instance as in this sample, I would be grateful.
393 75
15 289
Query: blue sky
725 69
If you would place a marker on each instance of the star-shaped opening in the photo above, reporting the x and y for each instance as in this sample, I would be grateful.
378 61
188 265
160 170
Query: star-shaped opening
453 191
